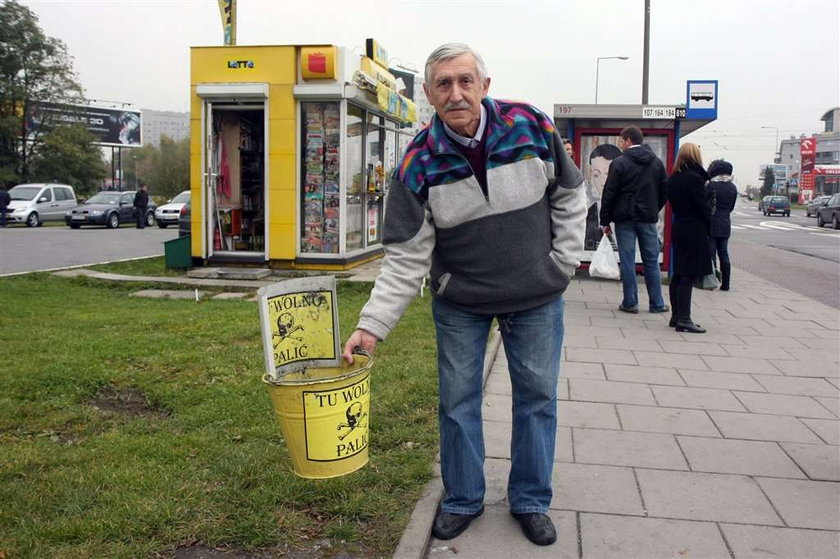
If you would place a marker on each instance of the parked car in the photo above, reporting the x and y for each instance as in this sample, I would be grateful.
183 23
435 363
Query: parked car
777 205
830 213
108 208
815 204
36 203
169 213
184 225
763 203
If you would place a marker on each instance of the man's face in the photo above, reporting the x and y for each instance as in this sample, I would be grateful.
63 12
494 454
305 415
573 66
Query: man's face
455 91
569 150
600 168
624 143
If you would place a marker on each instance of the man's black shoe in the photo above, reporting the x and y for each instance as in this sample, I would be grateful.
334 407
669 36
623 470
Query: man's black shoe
449 525
537 527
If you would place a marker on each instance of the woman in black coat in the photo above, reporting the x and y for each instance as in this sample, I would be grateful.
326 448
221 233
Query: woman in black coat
722 195
689 233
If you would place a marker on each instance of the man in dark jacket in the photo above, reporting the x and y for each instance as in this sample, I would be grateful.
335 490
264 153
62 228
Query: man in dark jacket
633 196
141 203
5 199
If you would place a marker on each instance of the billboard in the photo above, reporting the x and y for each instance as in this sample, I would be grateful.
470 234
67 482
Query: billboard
110 127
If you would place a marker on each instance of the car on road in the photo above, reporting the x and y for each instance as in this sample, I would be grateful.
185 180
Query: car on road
168 213
762 203
830 213
108 208
777 205
815 204
184 225
36 203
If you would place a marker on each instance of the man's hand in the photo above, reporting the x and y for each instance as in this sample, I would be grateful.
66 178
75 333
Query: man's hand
362 339
605 229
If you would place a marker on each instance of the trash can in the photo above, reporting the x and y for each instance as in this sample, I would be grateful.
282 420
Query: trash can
177 252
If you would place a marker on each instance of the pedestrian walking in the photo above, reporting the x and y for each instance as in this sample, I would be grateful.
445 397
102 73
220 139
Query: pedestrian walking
722 194
5 200
141 203
484 196
633 196
689 233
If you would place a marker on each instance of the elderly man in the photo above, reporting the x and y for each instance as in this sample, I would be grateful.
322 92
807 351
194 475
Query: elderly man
488 201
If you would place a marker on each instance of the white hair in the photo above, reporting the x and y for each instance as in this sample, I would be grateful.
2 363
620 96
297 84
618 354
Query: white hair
452 50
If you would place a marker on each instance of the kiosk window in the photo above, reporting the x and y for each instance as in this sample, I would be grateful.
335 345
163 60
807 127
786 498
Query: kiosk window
321 193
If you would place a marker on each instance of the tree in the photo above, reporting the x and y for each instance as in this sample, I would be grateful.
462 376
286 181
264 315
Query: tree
166 169
769 179
68 155
34 69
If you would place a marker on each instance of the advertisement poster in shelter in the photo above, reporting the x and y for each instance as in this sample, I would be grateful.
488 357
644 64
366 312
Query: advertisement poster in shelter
597 152
299 319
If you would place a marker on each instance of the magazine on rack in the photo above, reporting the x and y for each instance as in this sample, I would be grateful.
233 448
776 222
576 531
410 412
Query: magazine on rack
299 320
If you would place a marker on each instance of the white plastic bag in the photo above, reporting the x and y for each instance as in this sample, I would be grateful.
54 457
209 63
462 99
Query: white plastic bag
604 263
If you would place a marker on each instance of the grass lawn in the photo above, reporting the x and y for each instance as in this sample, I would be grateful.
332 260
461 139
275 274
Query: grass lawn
131 427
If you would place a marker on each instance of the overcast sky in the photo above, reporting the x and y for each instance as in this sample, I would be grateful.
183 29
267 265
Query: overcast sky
778 63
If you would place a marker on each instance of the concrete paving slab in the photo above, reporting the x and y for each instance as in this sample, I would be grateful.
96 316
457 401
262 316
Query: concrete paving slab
497 530
572 369
804 504
781 404
646 375
692 348
819 461
739 365
827 429
731 456
622 537
700 496
614 342
169 294
800 386
588 487
496 407
572 340
696 398
666 420
497 441
230 296
608 391
725 381
757 352
831 404
803 369
761 427
600 355
498 383
753 542
674 360
586 414
769 341
627 448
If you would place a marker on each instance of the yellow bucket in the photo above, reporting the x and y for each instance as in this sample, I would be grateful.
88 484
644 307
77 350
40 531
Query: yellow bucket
324 413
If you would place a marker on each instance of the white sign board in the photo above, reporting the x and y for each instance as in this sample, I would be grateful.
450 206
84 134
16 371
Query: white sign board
659 112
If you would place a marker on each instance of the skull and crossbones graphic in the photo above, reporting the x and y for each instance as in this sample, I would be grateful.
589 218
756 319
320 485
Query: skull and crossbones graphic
286 327
355 415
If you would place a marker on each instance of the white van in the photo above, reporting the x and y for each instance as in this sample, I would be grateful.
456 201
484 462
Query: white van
38 202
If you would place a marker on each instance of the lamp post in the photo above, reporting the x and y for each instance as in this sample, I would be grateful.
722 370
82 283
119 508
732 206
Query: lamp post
598 70
776 152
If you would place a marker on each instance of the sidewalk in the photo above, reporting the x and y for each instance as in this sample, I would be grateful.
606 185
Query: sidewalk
673 444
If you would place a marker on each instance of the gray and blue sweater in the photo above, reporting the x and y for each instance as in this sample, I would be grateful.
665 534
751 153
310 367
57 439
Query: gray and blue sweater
511 247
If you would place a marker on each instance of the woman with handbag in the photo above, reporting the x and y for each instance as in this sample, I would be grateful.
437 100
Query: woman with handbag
723 195
689 234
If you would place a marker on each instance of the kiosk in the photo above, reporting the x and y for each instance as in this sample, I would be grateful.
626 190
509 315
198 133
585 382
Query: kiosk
594 131
290 147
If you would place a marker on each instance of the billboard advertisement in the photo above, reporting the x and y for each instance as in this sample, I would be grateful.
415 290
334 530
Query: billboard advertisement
110 127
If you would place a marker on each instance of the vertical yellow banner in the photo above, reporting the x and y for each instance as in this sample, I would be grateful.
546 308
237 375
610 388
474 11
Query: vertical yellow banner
227 9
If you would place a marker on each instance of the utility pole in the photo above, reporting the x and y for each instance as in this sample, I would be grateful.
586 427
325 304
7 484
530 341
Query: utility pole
646 61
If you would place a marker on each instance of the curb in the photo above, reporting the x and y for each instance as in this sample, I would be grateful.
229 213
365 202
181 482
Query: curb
418 531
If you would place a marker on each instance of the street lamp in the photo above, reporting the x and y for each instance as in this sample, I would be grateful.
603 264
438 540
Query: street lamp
777 153
598 70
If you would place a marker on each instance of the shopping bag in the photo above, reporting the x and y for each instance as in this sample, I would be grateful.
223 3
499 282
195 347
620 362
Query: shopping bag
709 281
604 263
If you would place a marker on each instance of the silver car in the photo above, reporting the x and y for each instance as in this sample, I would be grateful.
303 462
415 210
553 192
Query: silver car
36 203
168 213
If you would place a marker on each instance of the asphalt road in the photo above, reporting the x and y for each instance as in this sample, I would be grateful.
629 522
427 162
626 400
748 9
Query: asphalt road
25 249
791 252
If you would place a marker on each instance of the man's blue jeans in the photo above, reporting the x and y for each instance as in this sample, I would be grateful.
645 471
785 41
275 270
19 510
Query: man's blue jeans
626 234
533 341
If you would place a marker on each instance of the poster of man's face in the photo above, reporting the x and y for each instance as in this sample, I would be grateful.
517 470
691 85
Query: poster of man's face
597 153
